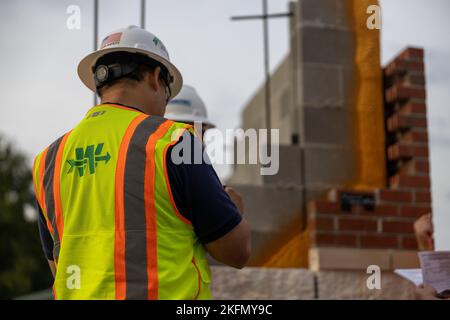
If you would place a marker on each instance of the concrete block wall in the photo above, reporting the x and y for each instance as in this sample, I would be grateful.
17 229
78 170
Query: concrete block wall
261 283
289 170
302 284
253 115
322 43
312 101
389 224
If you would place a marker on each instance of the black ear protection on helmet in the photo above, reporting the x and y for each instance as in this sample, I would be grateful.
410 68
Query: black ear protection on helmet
120 64
106 73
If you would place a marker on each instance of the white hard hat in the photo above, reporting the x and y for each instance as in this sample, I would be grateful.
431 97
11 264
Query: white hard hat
135 40
187 106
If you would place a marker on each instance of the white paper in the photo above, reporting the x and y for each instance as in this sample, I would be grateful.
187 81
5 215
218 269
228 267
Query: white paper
436 269
413 275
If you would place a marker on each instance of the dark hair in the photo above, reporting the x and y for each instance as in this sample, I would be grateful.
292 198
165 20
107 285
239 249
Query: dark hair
144 65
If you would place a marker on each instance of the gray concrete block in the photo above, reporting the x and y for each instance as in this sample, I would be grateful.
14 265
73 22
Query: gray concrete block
319 12
246 174
261 283
333 166
270 208
328 46
275 283
325 85
329 125
353 285
324 13
289 172
321 85
343 14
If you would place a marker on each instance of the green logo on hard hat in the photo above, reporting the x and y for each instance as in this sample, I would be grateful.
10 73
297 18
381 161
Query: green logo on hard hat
88 159
156 41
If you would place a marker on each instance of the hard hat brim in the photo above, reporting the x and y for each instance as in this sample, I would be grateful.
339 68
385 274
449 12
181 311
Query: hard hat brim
85 66
189 118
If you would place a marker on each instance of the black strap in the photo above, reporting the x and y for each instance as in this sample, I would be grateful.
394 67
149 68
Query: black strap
114 72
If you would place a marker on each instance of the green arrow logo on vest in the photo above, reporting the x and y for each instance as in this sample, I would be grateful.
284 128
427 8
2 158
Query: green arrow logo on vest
88 159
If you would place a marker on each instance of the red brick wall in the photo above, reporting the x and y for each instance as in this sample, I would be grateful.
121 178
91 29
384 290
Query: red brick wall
407 195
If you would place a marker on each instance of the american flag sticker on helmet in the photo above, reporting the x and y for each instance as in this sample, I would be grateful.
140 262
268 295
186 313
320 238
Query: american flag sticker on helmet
112 39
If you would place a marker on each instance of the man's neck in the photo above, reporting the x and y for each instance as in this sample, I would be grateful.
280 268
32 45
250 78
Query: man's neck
121 104
124 98
125 102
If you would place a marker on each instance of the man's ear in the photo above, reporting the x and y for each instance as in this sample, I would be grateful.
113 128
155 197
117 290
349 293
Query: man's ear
153 78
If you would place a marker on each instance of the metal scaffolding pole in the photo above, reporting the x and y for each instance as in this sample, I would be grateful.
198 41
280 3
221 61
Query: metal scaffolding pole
95 37
142 24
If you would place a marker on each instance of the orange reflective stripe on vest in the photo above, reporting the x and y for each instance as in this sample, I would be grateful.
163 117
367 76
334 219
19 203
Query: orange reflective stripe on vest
40 191
169 191
51 192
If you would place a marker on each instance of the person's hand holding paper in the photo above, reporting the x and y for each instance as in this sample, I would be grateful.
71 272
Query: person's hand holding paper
436 271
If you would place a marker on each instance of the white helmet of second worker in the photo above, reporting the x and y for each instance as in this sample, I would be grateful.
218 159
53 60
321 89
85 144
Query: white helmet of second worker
188 107
134 40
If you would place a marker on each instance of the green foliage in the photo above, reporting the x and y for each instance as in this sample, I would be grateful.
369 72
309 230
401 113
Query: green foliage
23 267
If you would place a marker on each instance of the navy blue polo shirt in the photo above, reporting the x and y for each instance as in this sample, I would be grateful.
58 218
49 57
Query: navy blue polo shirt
198 195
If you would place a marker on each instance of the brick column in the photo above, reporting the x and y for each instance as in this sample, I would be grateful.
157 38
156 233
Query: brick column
372 221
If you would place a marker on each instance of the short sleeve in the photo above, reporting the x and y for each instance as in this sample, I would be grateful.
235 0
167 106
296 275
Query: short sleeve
200 196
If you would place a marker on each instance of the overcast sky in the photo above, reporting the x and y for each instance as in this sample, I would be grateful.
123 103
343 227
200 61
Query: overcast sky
42 97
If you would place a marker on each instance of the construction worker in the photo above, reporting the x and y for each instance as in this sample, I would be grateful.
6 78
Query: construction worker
188 107
118 218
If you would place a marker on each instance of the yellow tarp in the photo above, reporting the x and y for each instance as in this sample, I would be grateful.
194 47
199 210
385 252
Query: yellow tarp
294 254
370 135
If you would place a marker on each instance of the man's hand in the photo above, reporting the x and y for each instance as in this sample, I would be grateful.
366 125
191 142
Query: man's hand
236 198
423 228
234 248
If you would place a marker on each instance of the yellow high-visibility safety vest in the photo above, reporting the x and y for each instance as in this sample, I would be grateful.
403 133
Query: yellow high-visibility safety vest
105 194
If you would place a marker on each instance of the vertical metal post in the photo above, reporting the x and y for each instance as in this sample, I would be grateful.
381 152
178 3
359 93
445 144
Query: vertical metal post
267 71
95 37
142 14
265 19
